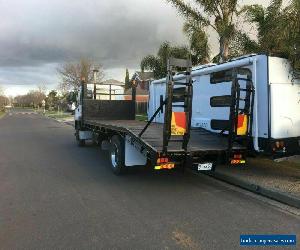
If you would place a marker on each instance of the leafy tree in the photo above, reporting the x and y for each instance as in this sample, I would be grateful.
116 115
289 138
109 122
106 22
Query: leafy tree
291 31
268 28
198 42
33 98
71 73
278 29
242 44
71 96
3 102
52 99
219 15
158 63
127 80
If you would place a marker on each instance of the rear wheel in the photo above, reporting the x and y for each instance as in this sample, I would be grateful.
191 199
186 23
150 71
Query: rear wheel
117 156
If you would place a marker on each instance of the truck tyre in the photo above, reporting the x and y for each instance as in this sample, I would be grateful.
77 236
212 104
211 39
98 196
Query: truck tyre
117 156
80 142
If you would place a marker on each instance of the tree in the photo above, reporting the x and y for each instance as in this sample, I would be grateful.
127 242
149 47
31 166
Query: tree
278 29
291 31
267 23
158 63
242 44
52 99
198 42
127 80
1 90
72 73
33 98
36 97
3 102
42 88
216 14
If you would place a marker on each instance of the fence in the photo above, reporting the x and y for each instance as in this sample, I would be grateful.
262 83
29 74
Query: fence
141 108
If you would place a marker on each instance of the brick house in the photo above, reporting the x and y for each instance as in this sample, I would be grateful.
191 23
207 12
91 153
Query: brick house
141 81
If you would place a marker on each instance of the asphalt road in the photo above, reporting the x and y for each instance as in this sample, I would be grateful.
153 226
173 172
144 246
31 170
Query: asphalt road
55 195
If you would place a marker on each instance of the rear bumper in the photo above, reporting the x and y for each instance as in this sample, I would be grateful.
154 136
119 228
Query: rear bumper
193 159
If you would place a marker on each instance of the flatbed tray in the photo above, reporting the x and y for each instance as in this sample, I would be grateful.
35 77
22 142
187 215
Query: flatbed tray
200 140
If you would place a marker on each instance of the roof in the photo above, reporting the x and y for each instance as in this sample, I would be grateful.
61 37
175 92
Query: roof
113 82
142 76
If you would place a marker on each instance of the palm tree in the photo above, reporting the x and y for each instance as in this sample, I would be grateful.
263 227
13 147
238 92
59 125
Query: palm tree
267 21
291 31
158 63
216 14
278 29
198 42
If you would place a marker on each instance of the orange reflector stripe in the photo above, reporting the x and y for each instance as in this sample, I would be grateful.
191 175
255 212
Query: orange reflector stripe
165 166
234 161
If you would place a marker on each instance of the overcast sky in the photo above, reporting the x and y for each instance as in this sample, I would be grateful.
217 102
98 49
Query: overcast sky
38 35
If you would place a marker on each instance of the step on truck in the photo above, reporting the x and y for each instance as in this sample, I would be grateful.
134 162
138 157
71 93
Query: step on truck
106 118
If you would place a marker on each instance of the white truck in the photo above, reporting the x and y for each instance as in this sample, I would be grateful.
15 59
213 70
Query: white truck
275 127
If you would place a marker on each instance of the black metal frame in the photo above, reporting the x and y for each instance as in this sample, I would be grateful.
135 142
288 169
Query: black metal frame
129 112
152 153
170 99
160 109
173 64
235 109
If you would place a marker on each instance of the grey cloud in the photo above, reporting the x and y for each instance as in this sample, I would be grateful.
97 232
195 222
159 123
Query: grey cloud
116 33
38 35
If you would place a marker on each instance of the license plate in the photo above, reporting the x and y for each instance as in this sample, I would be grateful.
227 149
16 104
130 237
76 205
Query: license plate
205 166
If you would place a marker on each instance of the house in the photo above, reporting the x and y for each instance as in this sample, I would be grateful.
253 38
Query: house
110 89
142 95
142 81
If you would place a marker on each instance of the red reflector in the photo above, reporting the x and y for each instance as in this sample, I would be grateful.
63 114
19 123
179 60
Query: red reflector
237 156
162 160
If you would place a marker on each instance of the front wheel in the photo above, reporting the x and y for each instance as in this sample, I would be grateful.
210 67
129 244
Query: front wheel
117 156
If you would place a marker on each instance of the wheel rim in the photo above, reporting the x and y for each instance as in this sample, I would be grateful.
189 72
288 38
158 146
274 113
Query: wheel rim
114 156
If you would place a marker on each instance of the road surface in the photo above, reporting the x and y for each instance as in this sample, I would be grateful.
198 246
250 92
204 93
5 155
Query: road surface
55 195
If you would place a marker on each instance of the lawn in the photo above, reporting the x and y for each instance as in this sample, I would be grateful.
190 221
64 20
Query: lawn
58 115
2 113
141 117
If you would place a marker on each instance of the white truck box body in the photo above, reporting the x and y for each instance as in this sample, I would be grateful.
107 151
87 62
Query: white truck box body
284 100
277 97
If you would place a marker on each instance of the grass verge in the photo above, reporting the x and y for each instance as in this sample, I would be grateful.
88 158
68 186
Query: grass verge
267 162
58 115
2 113
142 118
